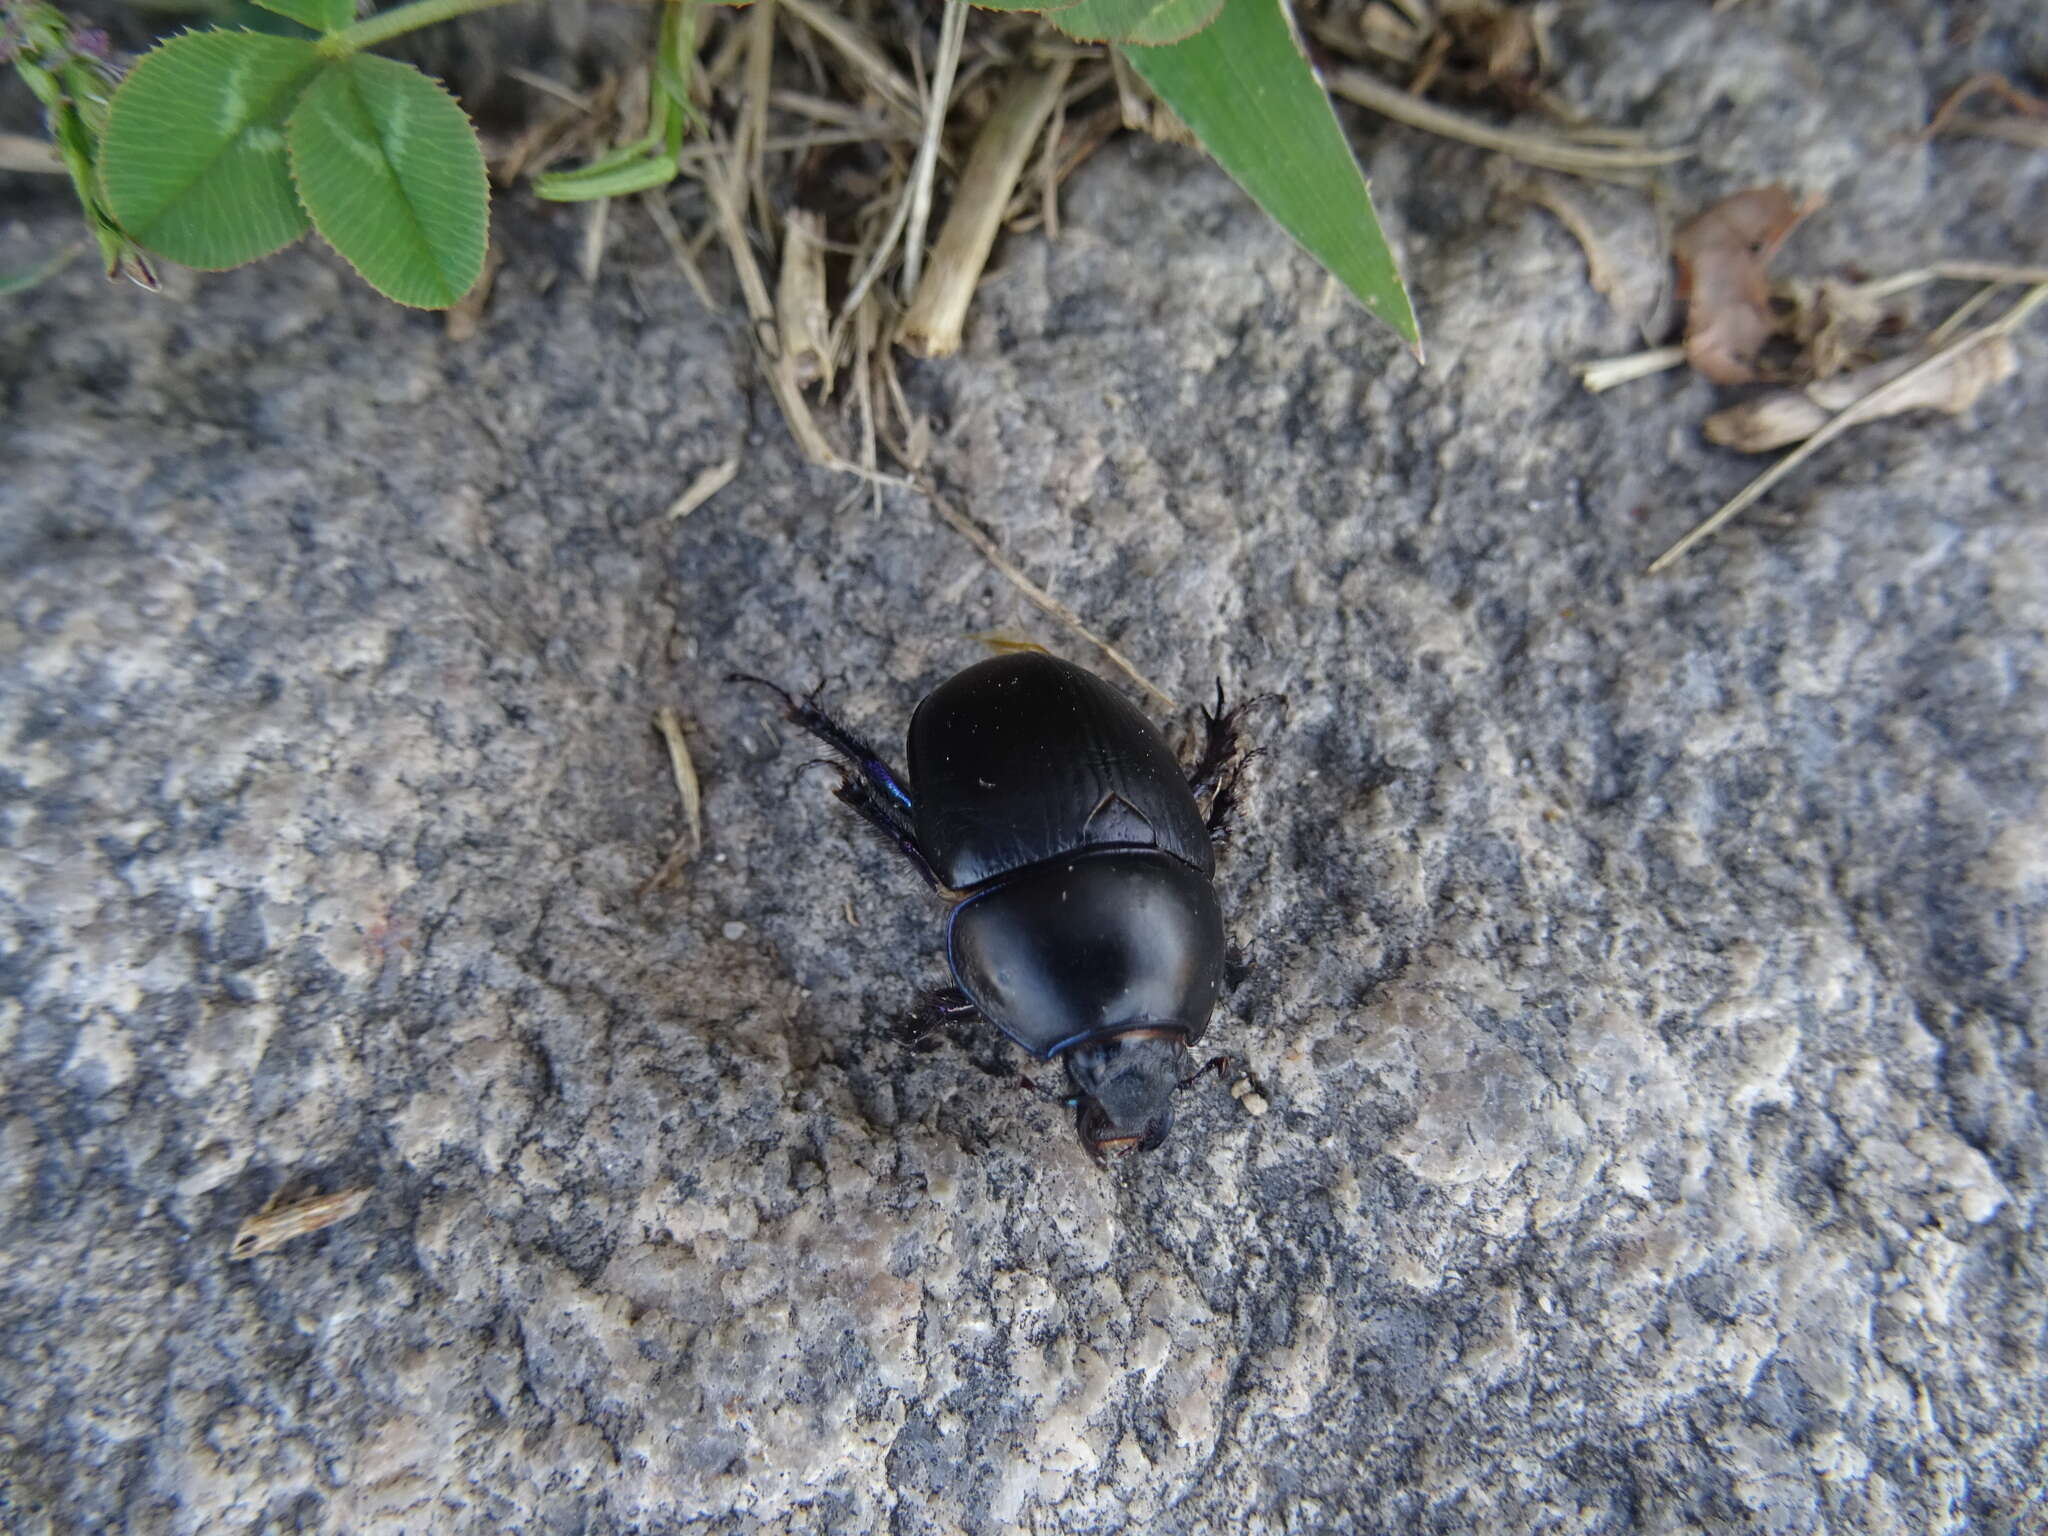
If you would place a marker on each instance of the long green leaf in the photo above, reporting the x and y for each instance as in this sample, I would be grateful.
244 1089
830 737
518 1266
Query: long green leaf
1150 22
194 161
392 173
1245 88
320 15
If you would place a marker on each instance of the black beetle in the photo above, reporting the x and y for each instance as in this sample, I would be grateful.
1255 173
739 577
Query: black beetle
1078 861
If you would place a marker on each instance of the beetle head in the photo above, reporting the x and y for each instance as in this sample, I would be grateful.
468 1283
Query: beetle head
1123 1089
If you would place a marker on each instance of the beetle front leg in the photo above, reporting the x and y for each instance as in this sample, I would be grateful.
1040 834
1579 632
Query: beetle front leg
1219 772
935 1008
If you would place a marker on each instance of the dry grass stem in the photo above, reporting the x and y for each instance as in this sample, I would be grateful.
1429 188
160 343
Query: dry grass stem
1552 153
1785 416
590 248
1608 373
707 484
656 203
750 143
1049 170
670 724
952 32
575 100
1964 313
1600 271
845 37
720 180
1873 405
276 1225
1957 271
959 522
938 310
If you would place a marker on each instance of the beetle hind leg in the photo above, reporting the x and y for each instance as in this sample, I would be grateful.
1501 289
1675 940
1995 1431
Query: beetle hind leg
867 784
858 792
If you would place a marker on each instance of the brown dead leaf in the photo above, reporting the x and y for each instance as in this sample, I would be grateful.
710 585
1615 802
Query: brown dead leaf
276 1225
1790 415
1722 255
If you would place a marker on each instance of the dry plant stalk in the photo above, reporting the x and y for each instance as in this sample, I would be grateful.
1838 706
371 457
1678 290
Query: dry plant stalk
1556 154
803 319
276 1225
1605 373
691 843
1869 408
708 483
938 311
1600 272
1786 416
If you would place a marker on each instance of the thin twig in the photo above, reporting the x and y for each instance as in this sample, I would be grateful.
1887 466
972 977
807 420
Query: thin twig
1537 149
1941 333
961 524
1998 85
1957 271
665 221
1869 406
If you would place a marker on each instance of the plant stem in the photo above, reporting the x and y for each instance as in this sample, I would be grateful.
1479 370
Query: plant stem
385 25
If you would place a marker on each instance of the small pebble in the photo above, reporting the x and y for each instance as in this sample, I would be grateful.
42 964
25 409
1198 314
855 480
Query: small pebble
1255 1103
735 930
1240 1088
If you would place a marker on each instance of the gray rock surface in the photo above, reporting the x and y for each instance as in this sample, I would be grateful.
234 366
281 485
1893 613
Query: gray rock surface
1644 973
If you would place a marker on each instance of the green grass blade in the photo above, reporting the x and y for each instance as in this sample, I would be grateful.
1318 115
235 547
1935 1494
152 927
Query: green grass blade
1150 22
320 15
194 161
392 173
1245 88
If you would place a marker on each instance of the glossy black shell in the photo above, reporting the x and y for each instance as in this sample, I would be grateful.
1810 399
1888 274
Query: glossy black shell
1024 758
1086 947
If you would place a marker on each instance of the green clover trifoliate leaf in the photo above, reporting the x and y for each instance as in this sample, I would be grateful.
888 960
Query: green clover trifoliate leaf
194 157
391 171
